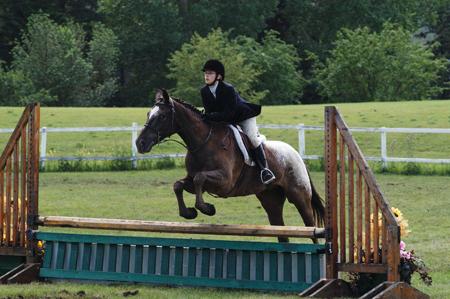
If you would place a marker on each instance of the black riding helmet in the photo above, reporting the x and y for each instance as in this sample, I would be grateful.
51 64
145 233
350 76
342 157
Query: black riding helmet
216 66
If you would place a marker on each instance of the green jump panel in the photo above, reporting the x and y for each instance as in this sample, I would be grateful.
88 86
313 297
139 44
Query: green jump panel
186 262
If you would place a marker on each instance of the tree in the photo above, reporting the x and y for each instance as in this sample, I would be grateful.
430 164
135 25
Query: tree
185 66
312 25
241 17
49 60
103 55
262 72
277 62
148 32
14 15
386 66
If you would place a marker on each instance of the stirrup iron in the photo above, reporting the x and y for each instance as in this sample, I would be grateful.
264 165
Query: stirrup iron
268 181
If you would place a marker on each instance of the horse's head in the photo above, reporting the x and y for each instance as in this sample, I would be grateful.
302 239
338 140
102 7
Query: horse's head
160 123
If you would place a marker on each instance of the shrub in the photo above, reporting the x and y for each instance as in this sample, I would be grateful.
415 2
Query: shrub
262 72
386 66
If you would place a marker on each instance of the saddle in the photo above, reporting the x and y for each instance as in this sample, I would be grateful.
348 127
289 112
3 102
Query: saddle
244 144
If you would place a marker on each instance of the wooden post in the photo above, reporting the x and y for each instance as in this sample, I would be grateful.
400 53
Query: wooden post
393 254
33 176
331 192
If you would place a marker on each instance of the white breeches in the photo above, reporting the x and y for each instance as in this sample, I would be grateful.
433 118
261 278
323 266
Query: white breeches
249 127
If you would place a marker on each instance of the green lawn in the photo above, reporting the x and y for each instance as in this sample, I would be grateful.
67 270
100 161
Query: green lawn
421 114
148 195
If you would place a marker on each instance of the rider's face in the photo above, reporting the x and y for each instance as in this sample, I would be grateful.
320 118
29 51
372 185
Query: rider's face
210 77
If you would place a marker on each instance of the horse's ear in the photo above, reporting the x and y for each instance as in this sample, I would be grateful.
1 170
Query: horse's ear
158 95
165 95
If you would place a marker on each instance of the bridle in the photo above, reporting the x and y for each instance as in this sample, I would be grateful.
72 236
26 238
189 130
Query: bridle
158 134
147 123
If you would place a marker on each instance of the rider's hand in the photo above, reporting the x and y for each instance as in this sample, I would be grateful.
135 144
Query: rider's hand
212 116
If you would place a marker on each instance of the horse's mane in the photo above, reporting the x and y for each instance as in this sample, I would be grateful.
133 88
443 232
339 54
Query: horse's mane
188 105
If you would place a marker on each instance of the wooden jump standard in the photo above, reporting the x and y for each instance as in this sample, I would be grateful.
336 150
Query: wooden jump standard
353 241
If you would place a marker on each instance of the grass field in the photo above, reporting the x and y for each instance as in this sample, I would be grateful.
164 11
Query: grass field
421 114
148 195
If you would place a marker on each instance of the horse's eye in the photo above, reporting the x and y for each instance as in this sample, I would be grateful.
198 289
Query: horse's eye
163 117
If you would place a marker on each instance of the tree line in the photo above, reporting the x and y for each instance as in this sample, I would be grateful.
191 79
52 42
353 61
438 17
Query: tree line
117 52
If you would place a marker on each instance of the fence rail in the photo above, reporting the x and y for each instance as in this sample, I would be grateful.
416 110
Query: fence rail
301 129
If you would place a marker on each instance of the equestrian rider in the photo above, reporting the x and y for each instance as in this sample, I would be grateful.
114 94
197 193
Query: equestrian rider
223 104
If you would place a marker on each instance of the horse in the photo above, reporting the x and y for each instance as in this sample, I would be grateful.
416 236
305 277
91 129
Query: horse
215 165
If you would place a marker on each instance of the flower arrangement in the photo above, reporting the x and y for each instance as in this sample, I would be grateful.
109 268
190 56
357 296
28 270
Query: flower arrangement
410 263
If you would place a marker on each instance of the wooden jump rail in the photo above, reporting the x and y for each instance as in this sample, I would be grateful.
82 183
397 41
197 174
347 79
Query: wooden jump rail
182 227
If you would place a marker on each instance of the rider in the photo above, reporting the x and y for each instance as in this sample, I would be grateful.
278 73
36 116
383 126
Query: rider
222 103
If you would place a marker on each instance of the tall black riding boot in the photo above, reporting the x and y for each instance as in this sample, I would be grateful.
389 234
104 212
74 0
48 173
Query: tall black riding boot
267 175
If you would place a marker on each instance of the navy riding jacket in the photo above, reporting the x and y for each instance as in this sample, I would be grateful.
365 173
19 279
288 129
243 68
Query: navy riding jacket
227 106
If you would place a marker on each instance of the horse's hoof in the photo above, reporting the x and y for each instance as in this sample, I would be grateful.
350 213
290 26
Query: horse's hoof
190 213
207 209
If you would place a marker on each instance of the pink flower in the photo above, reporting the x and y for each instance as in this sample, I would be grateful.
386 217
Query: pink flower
403 253
402 245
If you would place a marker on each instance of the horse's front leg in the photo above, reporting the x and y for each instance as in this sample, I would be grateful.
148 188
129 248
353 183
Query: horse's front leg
214 177
178 187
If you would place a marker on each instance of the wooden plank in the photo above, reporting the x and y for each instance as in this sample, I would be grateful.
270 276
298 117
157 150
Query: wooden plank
367 249
33 173
384 246
331 190
13 251
8 203
365 169
15 228
393 255
23 184
34 151
389 290
16 173
359 209
182 227
364 268
2 204
376 236
351 208
342 231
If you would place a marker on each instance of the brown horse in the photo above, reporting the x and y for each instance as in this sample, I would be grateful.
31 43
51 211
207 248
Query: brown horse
215 164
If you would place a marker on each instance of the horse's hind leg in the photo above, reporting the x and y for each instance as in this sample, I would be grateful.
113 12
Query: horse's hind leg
301 198
178 187
272 201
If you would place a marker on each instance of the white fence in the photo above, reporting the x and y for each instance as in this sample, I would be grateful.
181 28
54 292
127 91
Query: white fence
301 128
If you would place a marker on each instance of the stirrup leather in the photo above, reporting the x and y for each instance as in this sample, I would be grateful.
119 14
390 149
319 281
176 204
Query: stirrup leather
268 173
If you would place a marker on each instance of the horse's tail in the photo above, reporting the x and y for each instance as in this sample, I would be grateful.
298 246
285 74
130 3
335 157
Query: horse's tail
317 205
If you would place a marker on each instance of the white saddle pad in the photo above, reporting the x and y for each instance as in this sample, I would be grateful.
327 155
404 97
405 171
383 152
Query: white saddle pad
240 143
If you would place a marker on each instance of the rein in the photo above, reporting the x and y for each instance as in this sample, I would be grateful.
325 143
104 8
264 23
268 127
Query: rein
185 146
159 141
